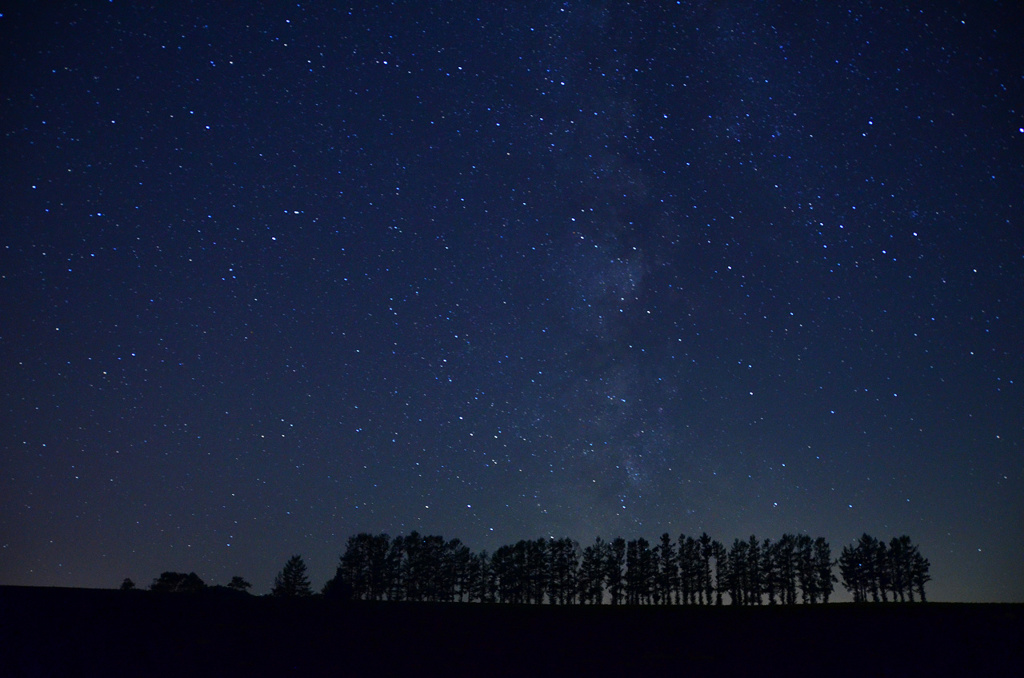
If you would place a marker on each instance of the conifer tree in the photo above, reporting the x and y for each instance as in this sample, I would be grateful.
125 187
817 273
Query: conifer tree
852 571
755 583
291 582
823 569
919 576
689 567
707 584
720 555
614 569
668 570
899 568
806 573
769 570
593 570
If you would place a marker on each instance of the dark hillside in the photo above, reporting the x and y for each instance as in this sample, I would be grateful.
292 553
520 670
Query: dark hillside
218 632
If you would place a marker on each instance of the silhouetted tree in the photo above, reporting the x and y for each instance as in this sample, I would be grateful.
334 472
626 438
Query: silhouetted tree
806 573
907 570
641 571
648 574
536 570
509 570
433 569
668 571
769 571
592 572
852 571
632 572
563 571
899 568
728 575
707 584
291 582
414 567
458 559
478 579
740 572
424 571
720 556
239 584
614 569
491 581
500 564
402 586
689 570
396 560
919 576
748 570
871 562
823 569
755 578
127 585
438 569
880 555
367 566
786 568
177 582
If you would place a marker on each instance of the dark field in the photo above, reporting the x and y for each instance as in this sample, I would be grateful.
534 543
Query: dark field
75 632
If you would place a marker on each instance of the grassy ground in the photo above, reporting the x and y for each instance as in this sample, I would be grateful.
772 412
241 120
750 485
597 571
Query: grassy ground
111 633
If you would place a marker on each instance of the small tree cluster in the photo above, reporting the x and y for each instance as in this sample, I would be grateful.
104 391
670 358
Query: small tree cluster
775 572
873 570
239 584
177 582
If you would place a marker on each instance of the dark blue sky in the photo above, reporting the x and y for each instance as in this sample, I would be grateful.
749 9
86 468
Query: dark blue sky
273 276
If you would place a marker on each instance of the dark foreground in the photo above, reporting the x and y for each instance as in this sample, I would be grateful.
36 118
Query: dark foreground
65 632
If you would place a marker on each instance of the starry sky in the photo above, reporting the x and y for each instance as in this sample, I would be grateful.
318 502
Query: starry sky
275 274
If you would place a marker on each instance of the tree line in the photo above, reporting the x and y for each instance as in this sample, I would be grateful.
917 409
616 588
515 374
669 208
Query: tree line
686 571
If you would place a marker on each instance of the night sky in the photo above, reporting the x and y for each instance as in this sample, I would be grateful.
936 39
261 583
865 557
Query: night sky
274 275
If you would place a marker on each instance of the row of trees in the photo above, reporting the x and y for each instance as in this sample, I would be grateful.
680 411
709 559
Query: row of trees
687 571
